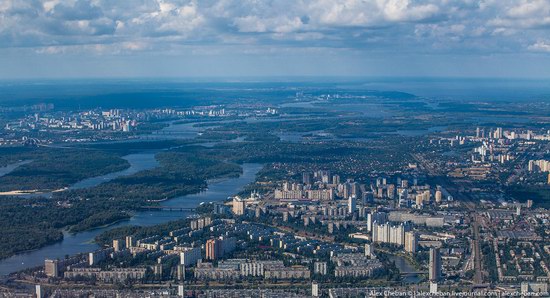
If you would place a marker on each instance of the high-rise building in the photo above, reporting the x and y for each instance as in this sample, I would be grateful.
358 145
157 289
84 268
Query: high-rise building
426 196
227 245
397 235
379 217
391 191
438 196
326 177
369 222
419 200
38 291
213 249
315 289
217 248
238 206
435 265
51 268
130 242
97 256
352 203
190 256
368 250
540 165
181 272
380 192
117 245
498 133
381 232
320 268
335 179
411 241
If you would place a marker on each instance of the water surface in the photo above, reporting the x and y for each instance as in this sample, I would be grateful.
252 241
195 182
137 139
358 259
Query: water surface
82 242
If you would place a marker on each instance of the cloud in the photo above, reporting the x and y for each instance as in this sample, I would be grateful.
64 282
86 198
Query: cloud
484 26
540 46
79 10
402 10
529 9
524 14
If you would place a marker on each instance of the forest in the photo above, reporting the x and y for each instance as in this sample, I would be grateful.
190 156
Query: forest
31 223
55 168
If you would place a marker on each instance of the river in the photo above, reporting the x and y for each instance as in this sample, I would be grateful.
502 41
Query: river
218 190
10 167
404 266
138 162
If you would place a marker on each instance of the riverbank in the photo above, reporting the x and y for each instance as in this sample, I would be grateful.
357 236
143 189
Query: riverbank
35 192
82 242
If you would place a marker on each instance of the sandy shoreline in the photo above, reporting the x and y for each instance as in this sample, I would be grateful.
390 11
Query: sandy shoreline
29 192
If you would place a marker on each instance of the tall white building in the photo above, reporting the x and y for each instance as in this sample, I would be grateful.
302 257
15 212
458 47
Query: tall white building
320 268
381 232
238 206
411 242
368 250
387 233
190 256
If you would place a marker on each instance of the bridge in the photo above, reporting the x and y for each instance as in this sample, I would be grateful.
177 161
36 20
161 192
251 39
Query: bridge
412 272
166 208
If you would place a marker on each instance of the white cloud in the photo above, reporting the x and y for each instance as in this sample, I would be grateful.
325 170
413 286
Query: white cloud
402 10
277 25
540 46
141 25
529 9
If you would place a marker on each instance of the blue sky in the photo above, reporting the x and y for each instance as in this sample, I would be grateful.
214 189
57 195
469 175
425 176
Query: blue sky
186 38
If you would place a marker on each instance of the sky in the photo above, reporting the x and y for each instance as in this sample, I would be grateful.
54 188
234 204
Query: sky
262 38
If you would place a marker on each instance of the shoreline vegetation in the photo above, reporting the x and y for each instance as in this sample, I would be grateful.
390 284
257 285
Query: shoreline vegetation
31 192
55 168
179 173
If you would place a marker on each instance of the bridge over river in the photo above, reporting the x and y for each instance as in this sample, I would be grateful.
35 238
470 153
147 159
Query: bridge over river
166 208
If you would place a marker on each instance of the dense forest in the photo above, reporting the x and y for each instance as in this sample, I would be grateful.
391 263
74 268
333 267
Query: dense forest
31 223
55 168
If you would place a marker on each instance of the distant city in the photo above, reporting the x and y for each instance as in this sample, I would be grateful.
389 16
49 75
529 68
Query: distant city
312 194
266 149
